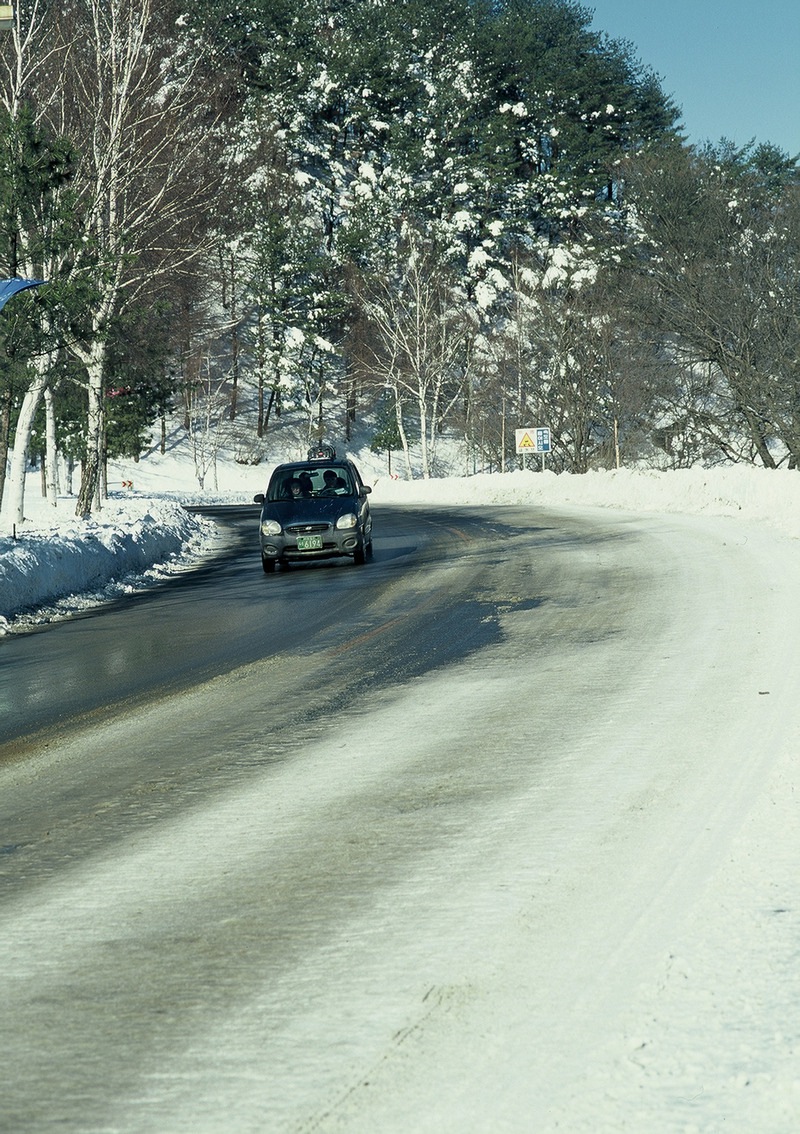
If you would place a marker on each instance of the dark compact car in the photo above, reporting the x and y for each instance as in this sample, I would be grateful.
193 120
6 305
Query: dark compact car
315 509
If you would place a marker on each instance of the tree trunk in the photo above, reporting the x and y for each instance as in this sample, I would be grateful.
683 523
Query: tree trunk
234 371
401 429
90 477
423 433
51 458
5 431
22 438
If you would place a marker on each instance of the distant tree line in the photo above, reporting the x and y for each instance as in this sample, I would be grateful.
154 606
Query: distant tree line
449 217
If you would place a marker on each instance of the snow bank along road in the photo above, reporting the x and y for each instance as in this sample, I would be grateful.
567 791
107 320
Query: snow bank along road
497 834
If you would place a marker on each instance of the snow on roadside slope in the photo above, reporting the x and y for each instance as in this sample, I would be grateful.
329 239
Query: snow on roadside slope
143 534
130 545
768 495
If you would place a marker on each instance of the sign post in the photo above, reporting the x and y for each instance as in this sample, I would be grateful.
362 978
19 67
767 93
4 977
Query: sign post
535 439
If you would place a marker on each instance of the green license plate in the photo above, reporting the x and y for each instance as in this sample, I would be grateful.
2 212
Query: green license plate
309 543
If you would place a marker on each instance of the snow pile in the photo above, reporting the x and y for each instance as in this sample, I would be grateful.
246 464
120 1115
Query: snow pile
768 495
134 542
146 532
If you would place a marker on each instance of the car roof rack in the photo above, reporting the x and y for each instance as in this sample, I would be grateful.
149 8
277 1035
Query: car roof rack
321 453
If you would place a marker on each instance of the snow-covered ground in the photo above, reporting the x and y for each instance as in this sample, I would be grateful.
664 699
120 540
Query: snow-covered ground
710 1043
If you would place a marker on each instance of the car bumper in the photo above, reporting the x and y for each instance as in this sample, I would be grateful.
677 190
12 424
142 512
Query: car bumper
285 549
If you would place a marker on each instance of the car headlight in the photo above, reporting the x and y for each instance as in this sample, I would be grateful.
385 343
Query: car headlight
348 520
270 527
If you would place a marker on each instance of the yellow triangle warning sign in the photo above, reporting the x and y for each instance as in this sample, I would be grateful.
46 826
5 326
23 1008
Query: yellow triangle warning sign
532 440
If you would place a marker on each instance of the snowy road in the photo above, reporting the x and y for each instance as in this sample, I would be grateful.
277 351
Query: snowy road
514 892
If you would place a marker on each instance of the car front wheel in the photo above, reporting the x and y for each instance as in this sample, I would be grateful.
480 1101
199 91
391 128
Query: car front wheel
268 565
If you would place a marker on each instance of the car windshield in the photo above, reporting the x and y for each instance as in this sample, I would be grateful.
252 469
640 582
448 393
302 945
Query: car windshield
300 483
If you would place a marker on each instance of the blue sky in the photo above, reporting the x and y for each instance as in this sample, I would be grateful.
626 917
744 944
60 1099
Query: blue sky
733 66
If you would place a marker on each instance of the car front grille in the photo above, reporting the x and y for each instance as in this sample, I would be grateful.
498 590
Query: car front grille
306 529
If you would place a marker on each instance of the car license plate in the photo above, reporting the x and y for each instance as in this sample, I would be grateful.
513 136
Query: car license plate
309 543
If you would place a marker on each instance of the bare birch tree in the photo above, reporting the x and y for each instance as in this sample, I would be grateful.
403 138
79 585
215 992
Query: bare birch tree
135 102
422 335
120 79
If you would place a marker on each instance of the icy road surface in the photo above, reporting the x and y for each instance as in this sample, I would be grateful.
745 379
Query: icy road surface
529 892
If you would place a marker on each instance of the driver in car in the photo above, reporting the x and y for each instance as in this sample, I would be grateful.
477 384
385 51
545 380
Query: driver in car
330 478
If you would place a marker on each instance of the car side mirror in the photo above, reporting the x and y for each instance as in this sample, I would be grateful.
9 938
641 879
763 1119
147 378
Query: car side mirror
365 490
259 498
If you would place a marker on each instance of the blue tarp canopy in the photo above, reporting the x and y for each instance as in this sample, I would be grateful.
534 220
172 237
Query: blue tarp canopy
8 288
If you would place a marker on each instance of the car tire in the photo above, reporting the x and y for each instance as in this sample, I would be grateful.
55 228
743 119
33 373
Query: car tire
269 565
360 556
